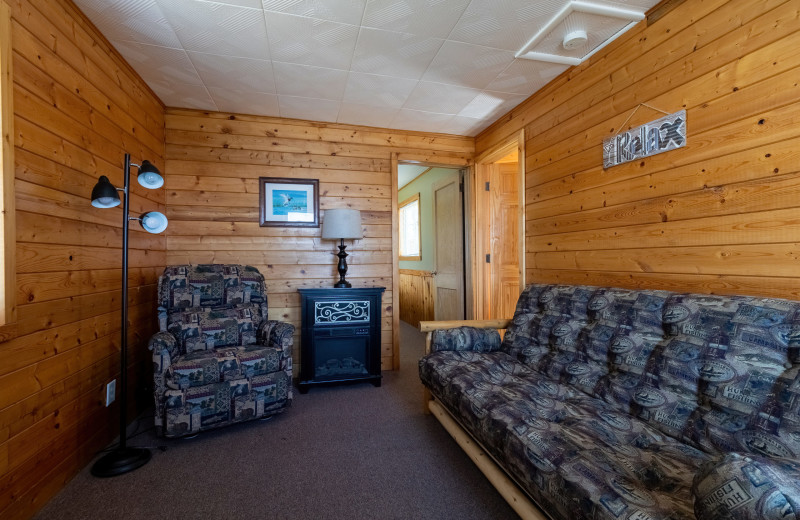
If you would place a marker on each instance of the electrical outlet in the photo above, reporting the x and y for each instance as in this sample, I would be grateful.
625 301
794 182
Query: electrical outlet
111 392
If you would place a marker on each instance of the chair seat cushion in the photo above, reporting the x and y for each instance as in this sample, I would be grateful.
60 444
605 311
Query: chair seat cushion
202 328
572 452
204 367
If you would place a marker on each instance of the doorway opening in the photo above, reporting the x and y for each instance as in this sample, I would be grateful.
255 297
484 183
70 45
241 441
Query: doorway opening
431 239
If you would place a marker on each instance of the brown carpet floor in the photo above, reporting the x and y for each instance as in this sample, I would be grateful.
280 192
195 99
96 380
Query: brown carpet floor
345 452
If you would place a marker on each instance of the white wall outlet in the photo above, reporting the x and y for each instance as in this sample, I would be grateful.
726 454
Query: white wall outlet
111 392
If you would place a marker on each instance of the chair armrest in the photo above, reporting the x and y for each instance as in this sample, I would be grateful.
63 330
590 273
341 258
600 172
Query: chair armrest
445 340
747 487
165 348
277 334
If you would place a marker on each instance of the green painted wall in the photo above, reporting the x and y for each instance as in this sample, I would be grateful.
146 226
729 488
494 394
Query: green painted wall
424 186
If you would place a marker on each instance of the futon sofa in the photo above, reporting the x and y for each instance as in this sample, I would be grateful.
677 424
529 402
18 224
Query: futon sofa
217 359
608 403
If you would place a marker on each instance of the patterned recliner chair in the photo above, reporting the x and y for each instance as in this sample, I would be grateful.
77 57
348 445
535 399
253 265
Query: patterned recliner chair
217 358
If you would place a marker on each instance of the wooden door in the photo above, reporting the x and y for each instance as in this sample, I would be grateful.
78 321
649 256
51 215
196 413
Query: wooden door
448 276
503 239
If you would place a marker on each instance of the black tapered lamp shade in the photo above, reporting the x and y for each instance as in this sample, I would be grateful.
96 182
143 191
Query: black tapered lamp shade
149 176
104 194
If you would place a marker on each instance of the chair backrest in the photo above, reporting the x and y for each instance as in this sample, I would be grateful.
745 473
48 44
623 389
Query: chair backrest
216 286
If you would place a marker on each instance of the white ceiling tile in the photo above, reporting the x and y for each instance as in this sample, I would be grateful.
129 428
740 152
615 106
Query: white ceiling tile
245 102
376 90
308 81
175 94
310 41
526 76
402 55
491 105
342 11
438 97
467 65
407 119
233 72
308 108
504 24
159 63
469 126
426 65
253 4
216 28
131 20
356 114
434 18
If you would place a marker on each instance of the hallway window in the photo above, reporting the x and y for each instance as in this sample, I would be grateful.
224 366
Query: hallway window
410 233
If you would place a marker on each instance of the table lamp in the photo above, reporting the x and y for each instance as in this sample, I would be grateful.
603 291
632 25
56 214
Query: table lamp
341 224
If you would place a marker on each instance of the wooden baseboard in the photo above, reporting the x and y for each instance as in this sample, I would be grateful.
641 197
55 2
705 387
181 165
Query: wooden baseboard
512 494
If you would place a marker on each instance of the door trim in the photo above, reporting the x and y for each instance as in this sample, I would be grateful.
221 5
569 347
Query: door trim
493 154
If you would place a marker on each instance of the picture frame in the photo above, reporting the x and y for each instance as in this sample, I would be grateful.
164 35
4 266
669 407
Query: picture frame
288 202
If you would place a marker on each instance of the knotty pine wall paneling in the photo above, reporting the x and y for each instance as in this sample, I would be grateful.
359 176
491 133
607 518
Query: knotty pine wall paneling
719 215
214 162
416 296
78 107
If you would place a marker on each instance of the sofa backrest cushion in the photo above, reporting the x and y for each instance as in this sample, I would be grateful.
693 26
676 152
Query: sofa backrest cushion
737 357
209 285
205 328
719 372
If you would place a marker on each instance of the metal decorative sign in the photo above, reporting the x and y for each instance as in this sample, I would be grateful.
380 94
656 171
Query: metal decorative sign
661 135
354 311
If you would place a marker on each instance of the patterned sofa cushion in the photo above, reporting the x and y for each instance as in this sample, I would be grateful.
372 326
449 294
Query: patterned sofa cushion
572 452
747 488
209 328
204 367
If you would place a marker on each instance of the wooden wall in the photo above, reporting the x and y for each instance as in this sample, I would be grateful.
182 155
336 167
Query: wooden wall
721 214
214 162
78 107
416 296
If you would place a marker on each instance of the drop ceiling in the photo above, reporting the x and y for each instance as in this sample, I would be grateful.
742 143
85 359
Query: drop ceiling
445 66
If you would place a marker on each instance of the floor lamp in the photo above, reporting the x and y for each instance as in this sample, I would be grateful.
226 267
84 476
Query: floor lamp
123 459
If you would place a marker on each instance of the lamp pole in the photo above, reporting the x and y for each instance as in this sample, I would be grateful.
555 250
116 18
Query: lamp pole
123 459
123 377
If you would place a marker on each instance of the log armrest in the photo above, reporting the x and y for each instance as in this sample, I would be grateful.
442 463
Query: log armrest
471 334
747 487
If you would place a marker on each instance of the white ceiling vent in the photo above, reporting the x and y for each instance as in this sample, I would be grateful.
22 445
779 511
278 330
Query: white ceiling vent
577 31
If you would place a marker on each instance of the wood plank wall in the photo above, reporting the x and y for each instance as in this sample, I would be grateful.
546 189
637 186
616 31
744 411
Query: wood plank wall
214 162
416 296
78 107
721 214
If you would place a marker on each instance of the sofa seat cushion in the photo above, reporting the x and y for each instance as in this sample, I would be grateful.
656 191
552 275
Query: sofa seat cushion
222 365
197 408
575 454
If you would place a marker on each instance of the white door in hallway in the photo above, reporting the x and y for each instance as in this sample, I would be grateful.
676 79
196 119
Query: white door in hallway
448 249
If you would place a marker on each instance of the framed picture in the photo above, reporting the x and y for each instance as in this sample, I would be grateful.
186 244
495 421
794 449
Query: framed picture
288 202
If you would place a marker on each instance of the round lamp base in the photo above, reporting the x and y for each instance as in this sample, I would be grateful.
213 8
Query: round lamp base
120 461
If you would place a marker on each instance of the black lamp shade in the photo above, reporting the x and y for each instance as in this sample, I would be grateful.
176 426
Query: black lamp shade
149 176
104 194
